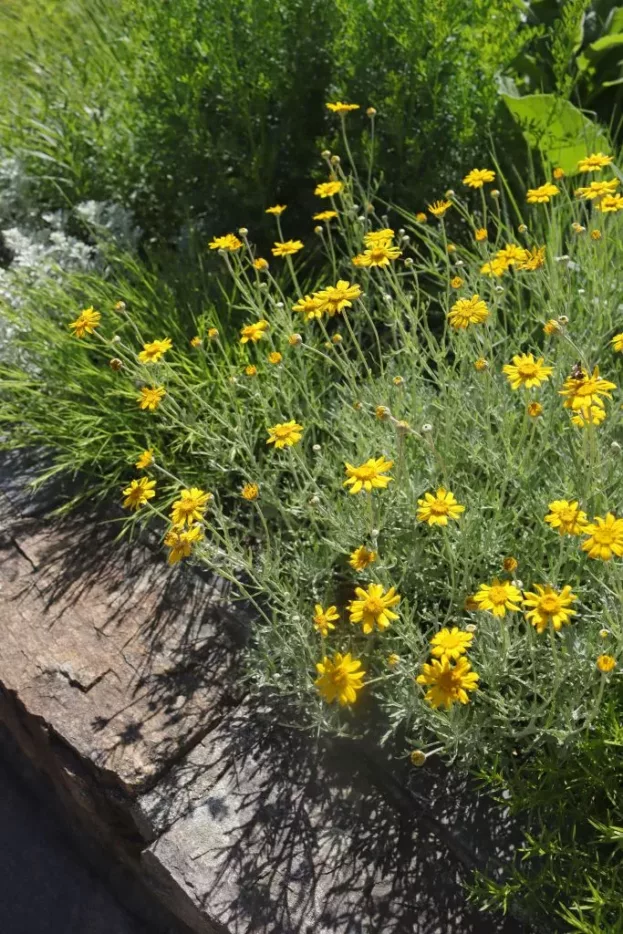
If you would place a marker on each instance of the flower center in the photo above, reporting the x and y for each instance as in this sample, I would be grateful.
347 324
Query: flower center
527 370
604 536
283 431
585 388
445 682
365 473
498 595
374 606
550 604
567 516
438 508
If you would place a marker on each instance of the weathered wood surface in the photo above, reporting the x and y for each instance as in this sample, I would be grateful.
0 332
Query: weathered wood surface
119 680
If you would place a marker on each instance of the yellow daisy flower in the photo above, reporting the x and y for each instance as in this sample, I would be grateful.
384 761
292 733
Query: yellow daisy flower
583 391
373 607
250 492
535 409
151 397
325 215
260 264
451 643
154 350
361 557
138 493
180 542
368 476
253 332
447 683
381 254
526 371
543 194
617 342
86 322
609 204
190 507
339 678
229 242
547 605
145 460
566 517
498 597
337 297
437 509
324 619
468 311
597 190
328 189
439 208
605 537
606 663
477 177
378 236
594 163
285 434
275 357
276 209
287 248
594 416
339 107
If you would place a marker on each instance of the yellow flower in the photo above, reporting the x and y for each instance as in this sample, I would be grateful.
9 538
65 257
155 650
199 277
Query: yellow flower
229 242
181 541
526 371
190 507
393 660
250 492
339 679
368 476
585 391
558 173
437 509
253 332
510 564
451 643
361 557
381 254
337 297
152 352
594 416
328 189
606 537
324 619
213 333
535 409
373 607
260 264
617 342
310 307
495 267
456 282
551 327
417 757
606 663
275 357
86 322
594 163
421 217
480 364
595 234
196 341
145 460
597 190
534 259
285 434
336 339
480 234
382 412
294 340
276 209
610 204
151 397
578 228
439 208
447 683
468 311
340 108
498 597
138 493
549 606
378 236
250 370
512 254
325 215
477 177
542 194
566 517
287 248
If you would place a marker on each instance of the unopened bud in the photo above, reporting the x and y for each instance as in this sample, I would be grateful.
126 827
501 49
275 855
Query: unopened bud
115 364
243 231
371 112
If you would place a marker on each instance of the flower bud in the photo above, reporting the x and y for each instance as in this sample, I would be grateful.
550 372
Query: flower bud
243 231
326 153
115 364
418 757
426 428
371 112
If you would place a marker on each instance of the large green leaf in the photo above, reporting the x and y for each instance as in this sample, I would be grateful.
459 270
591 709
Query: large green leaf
561 132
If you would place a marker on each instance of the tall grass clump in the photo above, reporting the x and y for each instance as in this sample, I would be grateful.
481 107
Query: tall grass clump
183 110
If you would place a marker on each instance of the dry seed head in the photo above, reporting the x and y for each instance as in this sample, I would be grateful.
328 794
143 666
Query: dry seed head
115 364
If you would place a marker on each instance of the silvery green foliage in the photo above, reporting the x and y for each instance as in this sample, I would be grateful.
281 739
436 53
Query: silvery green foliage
35 246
